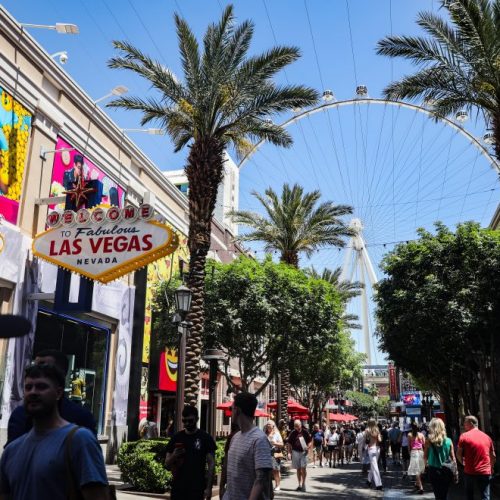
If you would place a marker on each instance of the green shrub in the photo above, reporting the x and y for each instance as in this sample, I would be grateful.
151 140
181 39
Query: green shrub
141 464
219 454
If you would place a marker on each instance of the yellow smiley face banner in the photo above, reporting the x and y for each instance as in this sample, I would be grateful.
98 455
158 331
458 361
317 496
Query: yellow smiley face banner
15 126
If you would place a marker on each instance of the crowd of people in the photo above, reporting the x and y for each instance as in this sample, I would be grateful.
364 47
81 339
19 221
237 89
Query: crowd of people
53 451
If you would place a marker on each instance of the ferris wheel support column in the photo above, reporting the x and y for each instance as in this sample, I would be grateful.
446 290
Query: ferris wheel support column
364 300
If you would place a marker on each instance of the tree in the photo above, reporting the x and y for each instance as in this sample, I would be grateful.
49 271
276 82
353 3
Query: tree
438 313
294 225
458 62
366 405
225 99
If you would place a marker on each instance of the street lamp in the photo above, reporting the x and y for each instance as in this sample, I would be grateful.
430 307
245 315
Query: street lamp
212 357
182 298
118 90
63 56
427 403
62 28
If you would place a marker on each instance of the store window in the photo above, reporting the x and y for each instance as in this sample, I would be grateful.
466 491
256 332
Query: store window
86 346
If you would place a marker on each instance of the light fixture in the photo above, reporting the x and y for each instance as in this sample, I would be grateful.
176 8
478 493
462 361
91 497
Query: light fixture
63 56
489 137
361 91
328 95
183 297
63 28
118 90
462 116
150 131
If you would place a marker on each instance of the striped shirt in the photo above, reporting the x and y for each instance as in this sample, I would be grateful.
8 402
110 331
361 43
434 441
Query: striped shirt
248 452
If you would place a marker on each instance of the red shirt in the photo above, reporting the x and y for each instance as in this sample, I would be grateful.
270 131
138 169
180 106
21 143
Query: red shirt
476 447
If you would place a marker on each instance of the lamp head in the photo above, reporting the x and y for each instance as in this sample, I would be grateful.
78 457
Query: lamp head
183 297
63 58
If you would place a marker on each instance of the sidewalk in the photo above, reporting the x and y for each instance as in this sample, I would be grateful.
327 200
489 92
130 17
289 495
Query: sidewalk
343 483
347 482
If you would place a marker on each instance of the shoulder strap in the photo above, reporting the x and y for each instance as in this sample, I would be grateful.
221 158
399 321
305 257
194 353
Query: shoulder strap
73 489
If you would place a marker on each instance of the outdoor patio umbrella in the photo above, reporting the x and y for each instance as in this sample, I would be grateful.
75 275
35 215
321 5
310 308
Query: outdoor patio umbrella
293 407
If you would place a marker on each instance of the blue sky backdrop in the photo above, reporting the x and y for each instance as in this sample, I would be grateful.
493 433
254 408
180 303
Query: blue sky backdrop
398 168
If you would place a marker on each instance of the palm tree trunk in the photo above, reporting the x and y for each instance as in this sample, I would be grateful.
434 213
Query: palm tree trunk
495 123
285 394
204 170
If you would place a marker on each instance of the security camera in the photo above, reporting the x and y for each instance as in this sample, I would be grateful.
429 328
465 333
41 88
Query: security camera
63 58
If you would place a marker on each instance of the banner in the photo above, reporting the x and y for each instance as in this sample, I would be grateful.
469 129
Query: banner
168 371
393 389
66 169
15 125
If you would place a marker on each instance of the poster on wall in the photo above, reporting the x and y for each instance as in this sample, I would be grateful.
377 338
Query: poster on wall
69 164
15 126
159 271
167 379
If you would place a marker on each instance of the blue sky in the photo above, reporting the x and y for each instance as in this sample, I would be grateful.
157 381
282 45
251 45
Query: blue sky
399 169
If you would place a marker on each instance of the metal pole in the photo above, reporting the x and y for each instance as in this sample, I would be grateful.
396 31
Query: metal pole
212 397
181 373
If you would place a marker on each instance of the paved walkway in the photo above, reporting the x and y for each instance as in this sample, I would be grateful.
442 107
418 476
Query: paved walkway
342 483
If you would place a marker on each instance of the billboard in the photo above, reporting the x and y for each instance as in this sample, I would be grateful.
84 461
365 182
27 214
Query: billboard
68 164
411 398
15 126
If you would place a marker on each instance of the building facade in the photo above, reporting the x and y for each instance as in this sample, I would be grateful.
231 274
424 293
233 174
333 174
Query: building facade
47 125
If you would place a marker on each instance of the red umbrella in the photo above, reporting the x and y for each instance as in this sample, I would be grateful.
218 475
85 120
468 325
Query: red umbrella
260 413
293 407
338 417
225 406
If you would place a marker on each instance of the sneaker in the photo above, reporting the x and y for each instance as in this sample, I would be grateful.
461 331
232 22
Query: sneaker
277 488
321 465
299 488
314 466
304 487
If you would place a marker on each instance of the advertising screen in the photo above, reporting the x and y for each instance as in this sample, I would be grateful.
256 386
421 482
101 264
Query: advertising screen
15 126
411 398
67 165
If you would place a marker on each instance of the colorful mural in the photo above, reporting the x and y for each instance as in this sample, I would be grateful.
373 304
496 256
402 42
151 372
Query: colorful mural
69 164
15 125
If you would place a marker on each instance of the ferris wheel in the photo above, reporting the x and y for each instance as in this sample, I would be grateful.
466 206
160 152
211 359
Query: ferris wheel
396 164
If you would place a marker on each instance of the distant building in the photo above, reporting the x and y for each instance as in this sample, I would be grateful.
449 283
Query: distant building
227 196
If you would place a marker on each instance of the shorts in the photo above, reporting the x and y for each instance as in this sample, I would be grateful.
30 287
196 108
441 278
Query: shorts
405 453
299 459
333 447
318 449
276 463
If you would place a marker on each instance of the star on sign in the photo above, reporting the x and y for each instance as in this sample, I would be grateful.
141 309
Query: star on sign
79 192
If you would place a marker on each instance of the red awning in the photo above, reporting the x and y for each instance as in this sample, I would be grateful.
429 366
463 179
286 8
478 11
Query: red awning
338 417
293 407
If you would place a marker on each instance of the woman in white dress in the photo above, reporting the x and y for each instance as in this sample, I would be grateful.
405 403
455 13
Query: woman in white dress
274 437
417 465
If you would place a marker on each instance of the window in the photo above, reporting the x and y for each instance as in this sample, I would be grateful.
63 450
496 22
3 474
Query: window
86 347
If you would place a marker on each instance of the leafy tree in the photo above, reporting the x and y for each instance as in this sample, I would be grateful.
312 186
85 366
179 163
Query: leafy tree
318 373
366 405
438 315
458 62
225 99
294 224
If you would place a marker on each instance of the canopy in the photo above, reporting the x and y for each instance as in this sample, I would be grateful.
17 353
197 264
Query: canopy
293 407
228 405
338 417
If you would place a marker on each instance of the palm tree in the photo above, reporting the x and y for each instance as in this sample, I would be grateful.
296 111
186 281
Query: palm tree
347 289
294 225
226 99
459 62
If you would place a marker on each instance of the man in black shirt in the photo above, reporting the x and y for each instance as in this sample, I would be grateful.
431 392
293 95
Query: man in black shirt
191 458
20 423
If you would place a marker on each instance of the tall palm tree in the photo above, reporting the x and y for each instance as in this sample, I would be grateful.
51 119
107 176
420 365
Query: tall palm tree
459 61
294 224
226 98
347 289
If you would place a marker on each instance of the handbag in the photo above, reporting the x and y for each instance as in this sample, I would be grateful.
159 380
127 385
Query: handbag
74 491
448 465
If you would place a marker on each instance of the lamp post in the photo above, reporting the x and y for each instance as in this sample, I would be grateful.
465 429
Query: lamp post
428 403
182 297
212 357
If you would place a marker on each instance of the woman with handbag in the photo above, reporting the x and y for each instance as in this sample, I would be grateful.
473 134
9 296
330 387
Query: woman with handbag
439 456
276 441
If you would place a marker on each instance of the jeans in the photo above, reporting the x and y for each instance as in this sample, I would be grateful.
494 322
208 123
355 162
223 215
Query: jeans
483 483
374 474
440 480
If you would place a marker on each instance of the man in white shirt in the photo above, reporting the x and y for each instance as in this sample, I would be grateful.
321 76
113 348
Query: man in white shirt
249 463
